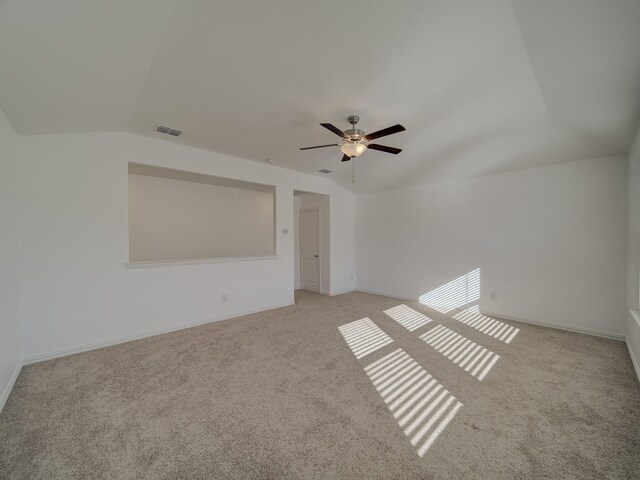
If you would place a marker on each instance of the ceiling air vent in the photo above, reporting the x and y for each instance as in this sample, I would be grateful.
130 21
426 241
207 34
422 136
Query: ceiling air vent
324 170
169 131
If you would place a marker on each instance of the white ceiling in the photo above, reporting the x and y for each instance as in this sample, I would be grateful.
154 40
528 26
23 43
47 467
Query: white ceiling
482 87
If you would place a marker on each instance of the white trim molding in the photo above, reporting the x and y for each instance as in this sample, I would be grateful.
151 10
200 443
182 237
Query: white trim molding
636 316
198 261
558 326
342 292
9 387
390 295
634 361
138 336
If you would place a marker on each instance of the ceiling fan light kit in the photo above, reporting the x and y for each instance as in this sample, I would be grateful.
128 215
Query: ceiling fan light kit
356 142
353 149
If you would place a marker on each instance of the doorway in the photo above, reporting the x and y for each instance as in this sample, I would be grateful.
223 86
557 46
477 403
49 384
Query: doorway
311 239
310 249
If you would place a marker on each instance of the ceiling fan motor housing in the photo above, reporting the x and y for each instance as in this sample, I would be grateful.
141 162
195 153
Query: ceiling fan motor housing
354 134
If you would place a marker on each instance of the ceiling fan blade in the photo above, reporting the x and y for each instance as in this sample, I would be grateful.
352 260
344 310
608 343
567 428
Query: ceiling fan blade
384 148
334 129
319 146
346 158
385 131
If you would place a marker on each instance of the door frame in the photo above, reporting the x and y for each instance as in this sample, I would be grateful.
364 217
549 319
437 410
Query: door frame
302 211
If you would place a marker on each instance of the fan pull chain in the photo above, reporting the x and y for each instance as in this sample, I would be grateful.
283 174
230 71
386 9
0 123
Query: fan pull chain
353 170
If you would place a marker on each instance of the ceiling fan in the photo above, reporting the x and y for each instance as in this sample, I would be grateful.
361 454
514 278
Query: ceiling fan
356 142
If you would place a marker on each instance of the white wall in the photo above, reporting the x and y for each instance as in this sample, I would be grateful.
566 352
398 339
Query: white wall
633 257
77 290
322 203
550 242
296 245
10 350
173 219
559 231
342 242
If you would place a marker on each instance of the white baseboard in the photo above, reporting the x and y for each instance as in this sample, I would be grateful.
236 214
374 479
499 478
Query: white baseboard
138 336
330 294
558 326
636 365
9 387
341 292
390 295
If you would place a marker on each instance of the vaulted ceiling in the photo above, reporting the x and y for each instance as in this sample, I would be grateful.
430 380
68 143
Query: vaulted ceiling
481 86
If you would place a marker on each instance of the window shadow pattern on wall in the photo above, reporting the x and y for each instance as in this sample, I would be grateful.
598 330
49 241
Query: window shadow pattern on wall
460 299
462 291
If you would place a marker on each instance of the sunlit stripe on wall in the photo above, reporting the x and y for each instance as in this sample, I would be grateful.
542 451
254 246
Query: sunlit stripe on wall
407 317
475 359
422 407
487 325
461 291
364 337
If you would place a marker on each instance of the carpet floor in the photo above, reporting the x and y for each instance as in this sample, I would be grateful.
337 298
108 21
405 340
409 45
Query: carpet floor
288 394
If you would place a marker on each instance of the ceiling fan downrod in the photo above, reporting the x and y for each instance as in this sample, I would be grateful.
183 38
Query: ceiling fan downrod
354 134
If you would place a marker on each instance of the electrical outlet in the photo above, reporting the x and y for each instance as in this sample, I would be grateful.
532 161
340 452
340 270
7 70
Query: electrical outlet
225 297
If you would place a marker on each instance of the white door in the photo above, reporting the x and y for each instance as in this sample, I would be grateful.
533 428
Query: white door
310 249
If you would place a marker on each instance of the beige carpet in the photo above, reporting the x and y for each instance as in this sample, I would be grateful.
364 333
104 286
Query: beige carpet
281 395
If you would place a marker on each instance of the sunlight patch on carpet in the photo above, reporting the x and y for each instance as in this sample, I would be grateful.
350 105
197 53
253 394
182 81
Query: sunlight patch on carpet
364 337
422 407
473 358
487 325
408 317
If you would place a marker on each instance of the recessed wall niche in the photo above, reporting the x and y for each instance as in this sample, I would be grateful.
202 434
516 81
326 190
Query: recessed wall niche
176 215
